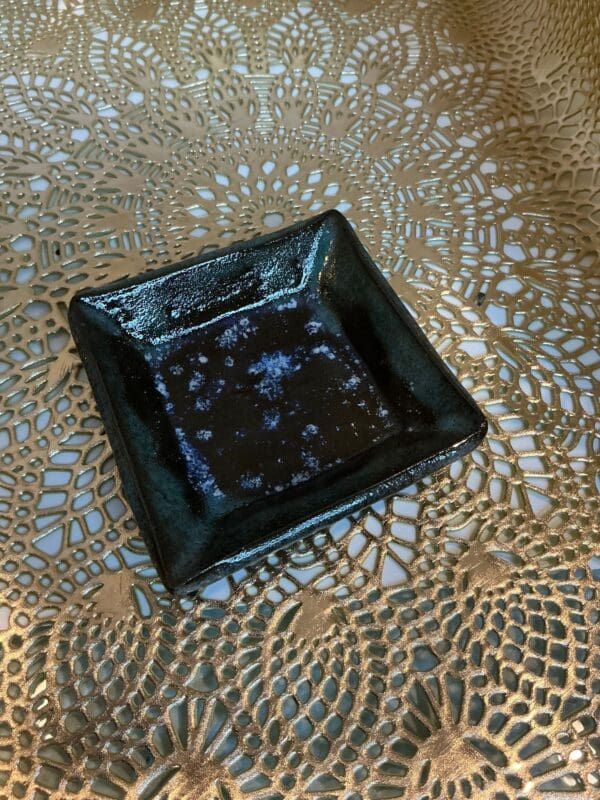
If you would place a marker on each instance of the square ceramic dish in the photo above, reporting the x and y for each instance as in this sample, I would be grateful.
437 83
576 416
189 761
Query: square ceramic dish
258 392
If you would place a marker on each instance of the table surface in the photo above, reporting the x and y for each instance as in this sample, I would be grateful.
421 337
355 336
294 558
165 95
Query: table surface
442 644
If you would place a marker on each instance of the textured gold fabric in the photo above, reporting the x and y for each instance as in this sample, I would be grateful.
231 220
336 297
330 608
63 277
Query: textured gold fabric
444 644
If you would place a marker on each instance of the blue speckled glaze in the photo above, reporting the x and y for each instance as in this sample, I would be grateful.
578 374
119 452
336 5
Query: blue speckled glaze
260 391
282 377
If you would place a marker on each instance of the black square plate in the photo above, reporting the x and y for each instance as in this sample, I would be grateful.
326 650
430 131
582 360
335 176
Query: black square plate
255 393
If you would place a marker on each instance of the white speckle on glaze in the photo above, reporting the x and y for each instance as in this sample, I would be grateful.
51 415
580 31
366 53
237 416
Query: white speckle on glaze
300 477
241 329
272 368
352 382
196 381
310 461
310 431
162 387
228 361
204 435
228 338
176 369
288 305
313 327
324 350
213 390
248 481
271 420
198 469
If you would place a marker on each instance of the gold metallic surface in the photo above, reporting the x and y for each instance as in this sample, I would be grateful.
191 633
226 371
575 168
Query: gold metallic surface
443 644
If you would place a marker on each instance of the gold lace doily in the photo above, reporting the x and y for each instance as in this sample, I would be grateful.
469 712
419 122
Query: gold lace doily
444 644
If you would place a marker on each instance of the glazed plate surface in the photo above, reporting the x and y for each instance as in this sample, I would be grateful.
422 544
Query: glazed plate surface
258 392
